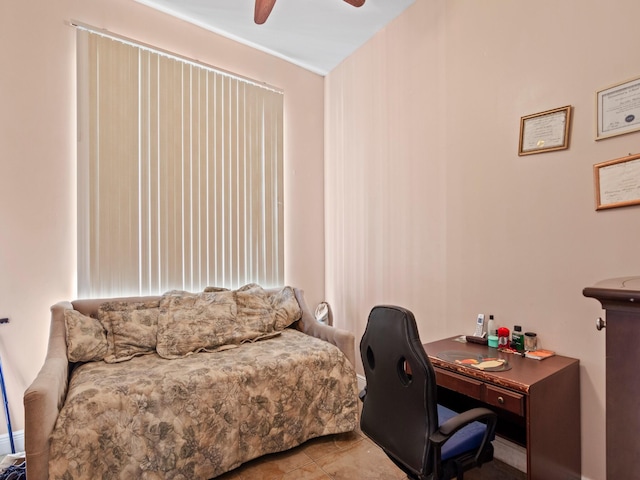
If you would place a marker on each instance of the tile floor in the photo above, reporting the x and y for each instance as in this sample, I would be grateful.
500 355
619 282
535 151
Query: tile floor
348 456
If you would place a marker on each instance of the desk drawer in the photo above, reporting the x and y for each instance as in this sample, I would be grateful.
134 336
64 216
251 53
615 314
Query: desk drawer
458 383
506 399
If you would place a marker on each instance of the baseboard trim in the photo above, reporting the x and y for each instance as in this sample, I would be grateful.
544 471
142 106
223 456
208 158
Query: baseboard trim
510 453
18 442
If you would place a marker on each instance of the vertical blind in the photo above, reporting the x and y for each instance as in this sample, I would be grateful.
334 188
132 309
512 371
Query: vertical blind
179 173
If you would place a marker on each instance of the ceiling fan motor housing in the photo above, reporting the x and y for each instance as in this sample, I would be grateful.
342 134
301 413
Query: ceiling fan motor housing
263 9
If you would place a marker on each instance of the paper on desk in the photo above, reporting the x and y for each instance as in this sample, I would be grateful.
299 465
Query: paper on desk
492 363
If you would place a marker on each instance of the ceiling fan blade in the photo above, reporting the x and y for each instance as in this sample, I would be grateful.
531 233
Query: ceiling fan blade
355 3
262 10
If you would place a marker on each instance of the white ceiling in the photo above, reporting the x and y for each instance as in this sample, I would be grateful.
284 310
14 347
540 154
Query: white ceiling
314 34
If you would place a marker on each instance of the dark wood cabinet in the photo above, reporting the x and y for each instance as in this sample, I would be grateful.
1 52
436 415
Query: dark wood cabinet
620 297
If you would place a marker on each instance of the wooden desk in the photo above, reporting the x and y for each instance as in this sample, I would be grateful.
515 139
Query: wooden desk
537 402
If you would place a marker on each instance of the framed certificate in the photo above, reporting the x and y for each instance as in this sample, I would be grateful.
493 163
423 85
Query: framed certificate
618 109
545 132
617 182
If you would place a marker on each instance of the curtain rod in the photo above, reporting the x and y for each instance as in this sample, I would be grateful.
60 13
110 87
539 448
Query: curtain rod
166 53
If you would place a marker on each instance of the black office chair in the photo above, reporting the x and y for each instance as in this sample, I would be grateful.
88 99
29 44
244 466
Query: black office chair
400 411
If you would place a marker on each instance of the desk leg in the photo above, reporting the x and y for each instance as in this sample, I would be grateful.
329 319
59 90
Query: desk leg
553 427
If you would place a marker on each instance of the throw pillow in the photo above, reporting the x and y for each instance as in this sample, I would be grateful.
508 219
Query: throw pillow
285 307
193 322
86 338
255 314
131 328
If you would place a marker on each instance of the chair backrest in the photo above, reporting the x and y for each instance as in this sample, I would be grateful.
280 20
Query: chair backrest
400 407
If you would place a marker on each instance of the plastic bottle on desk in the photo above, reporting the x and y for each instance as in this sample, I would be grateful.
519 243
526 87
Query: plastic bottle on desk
491 327
517 339
492 333
503 337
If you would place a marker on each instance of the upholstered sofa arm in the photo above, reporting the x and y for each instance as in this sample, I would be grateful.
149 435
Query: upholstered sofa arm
45 396
342 339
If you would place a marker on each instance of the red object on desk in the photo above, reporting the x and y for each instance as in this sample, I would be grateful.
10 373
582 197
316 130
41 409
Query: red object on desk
503 337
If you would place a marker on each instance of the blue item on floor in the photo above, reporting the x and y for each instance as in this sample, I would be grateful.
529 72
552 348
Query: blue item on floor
6 409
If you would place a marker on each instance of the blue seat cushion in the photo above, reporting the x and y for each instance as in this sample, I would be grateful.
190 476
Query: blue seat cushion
465 439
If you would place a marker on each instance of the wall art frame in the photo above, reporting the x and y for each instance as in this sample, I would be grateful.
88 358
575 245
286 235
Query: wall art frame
617 182
618 109
546 131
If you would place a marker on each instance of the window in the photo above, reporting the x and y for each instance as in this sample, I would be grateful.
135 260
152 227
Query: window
179 173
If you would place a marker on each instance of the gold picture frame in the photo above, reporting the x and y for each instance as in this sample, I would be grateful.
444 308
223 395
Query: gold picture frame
618 109
617 182
546 131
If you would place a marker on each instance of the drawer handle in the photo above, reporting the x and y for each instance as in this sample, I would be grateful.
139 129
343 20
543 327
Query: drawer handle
501 400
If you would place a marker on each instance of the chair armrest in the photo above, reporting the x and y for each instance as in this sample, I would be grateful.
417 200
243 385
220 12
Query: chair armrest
451 426
45 396
342 339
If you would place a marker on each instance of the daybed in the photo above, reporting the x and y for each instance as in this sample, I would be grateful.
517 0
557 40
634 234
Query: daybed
184 385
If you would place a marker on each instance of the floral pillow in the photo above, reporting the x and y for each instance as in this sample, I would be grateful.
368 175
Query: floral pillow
131 328
285 307
193 322
255 314
86 337
180 324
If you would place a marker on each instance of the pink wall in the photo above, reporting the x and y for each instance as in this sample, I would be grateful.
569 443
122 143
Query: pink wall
428 204
37 159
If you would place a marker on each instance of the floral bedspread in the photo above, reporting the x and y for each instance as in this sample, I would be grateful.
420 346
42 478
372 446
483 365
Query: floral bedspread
200 416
